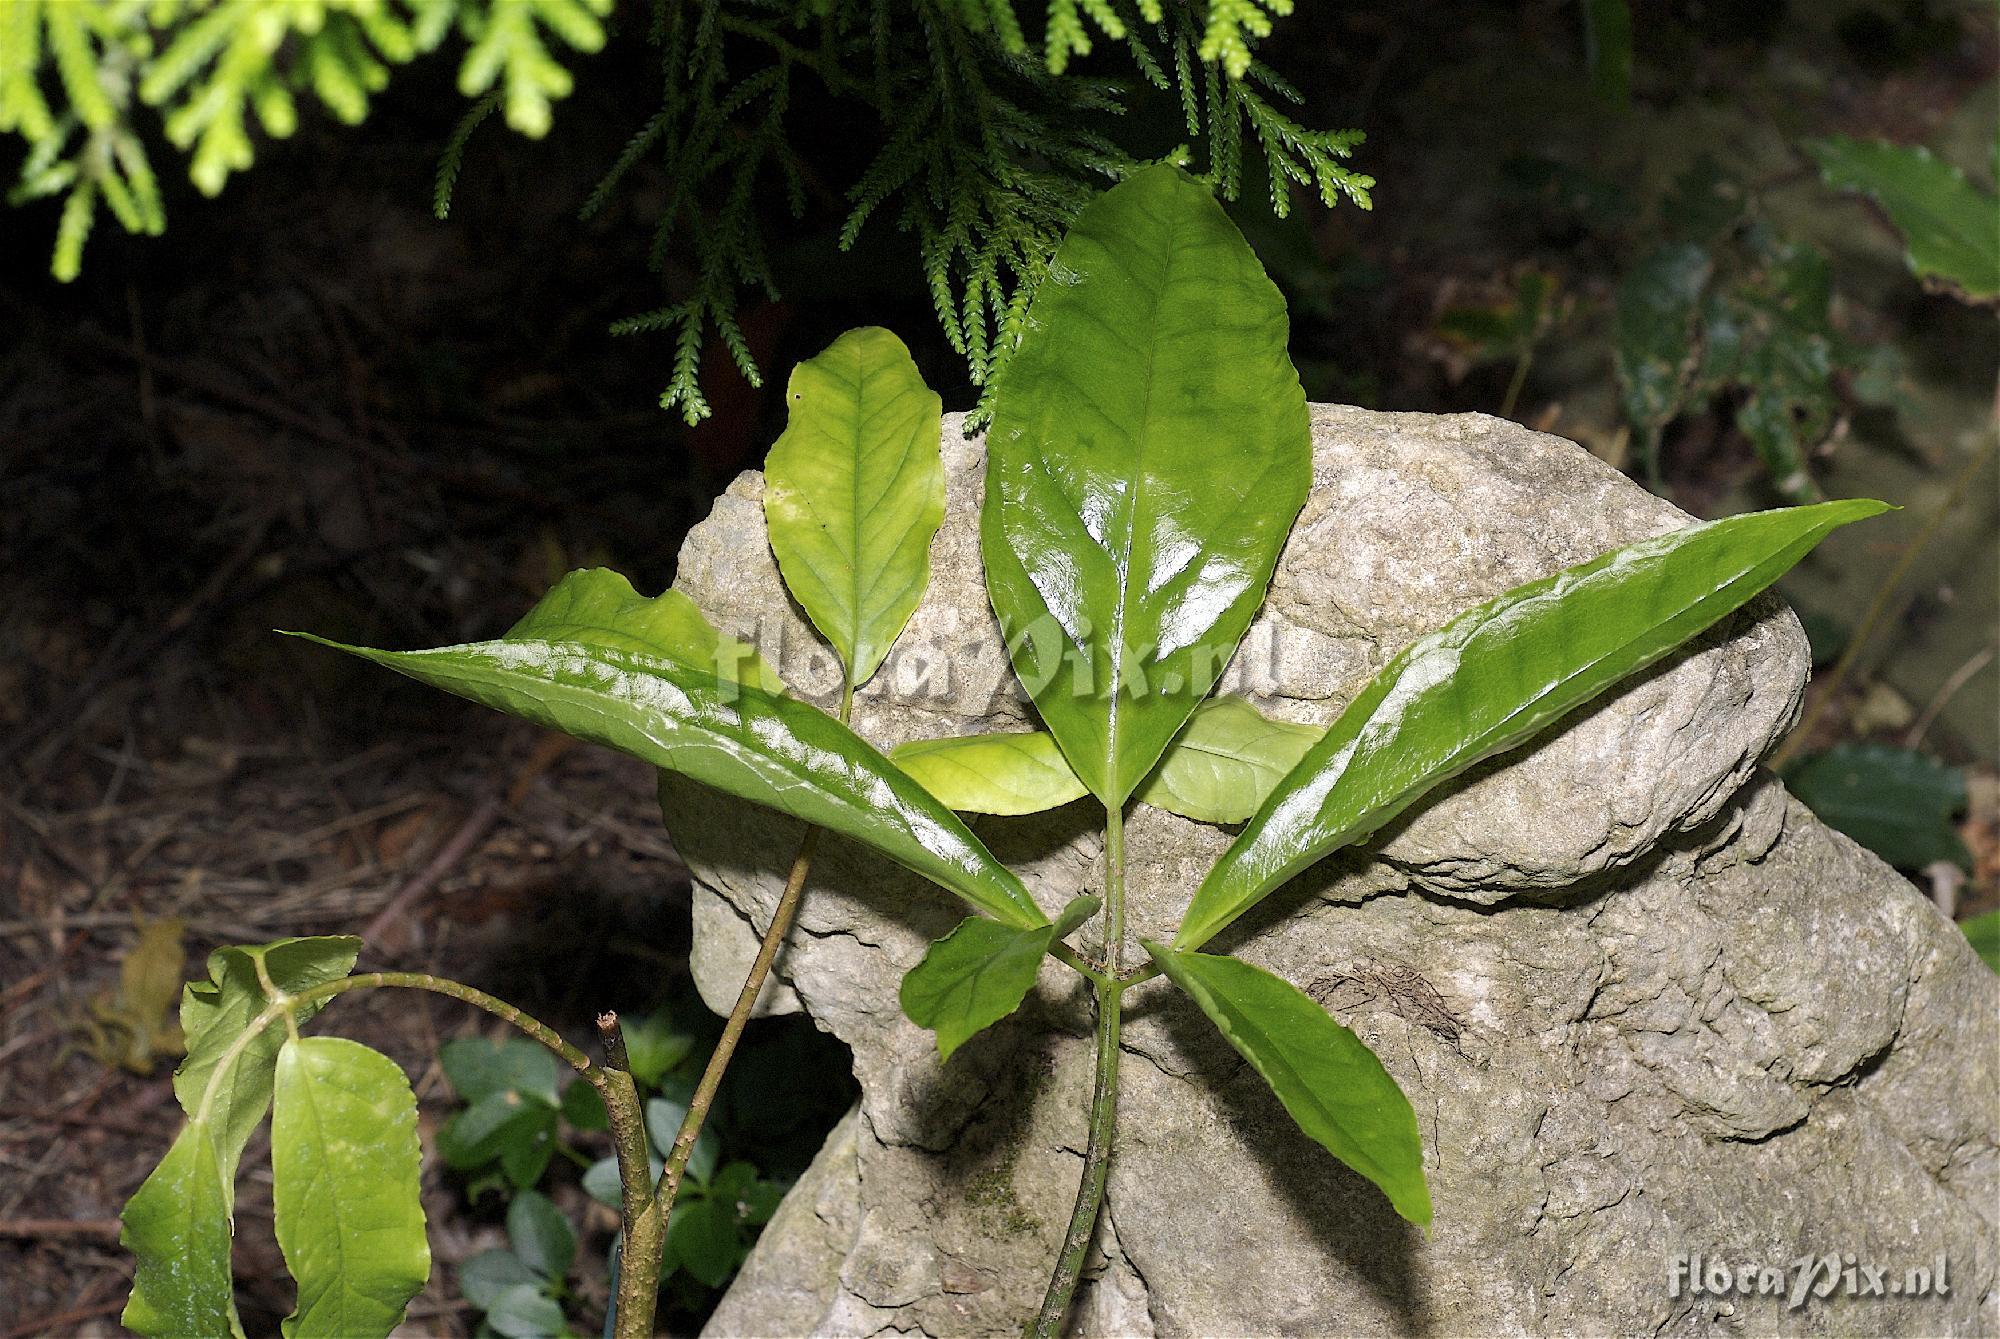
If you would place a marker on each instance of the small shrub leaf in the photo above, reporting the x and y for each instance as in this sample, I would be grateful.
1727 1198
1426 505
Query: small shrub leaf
979 973
542 1237
853 492
1495 676
1126 546
178 1223
1327 1078
345 1188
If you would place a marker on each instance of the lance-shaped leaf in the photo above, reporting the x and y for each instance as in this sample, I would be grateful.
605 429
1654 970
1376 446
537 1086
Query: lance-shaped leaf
1148 454
1227 759
1004 772
853 492
979 973
738 738
1326 1076
344 1188
595 606
1493 677
1218 769
178 1223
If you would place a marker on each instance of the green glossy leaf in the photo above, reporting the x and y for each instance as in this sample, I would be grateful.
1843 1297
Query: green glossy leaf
1495 676
345 1190
702 1238
1947 223
853 492
486 1275
1227 759
1003 772
1148 454
758 746
1326 1076
979 973
524 1312
598 607
1898 803
479 1067
1983 933
542 1237
177 1225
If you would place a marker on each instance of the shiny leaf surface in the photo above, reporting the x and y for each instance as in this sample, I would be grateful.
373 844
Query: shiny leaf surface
1225 761
979 973
1329 1081
1493 677
177 1224
344 1189
853 492
598 607
756 745
1148 454
1004 772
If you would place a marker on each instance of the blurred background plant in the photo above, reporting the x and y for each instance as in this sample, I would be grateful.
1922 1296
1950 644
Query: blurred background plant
1743 253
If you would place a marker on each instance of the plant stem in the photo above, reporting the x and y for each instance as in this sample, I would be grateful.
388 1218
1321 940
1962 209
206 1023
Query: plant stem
1048 1322
643 1231
732 1032
534 1028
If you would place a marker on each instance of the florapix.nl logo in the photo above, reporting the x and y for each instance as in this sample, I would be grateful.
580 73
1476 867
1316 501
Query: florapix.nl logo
1806 1278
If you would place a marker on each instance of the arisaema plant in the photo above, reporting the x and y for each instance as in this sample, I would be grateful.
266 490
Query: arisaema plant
1148 455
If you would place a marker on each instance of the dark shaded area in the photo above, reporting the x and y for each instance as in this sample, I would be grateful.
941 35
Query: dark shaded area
311 405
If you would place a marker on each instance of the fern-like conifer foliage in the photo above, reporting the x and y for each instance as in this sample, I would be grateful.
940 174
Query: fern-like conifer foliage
983 138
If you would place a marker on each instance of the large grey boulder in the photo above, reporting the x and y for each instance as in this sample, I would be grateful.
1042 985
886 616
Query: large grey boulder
1645 1005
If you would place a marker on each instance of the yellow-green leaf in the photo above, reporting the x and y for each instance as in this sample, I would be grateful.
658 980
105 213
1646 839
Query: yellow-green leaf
345 1189
853 492
1225 761
1004 772
177 1225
